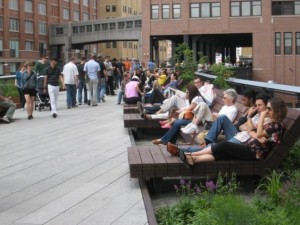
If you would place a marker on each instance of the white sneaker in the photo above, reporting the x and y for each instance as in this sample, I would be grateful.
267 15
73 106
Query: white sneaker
5 119
187 126
191 129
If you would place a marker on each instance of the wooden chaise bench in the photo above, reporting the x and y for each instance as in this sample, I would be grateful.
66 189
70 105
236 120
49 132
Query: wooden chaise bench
155 163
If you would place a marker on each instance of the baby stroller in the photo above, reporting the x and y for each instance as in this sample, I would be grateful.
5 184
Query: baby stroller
42 99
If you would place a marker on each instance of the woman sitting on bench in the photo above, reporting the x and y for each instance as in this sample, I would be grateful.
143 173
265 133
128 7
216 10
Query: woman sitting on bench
257 147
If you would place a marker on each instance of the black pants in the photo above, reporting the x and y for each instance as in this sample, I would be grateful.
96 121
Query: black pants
156 97
232 151
110 86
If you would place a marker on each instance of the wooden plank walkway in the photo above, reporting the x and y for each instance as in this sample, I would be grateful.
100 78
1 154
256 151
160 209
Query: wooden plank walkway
68 170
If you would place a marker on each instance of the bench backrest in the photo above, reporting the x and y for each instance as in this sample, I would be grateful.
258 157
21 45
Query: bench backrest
290 137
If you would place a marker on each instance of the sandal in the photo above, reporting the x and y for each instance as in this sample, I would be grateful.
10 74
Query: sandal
172 149
166 126
187 161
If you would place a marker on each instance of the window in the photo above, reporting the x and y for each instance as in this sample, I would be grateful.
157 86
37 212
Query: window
105 26
42 8
107 8
107 44
29 45
28 6
286 8
113 8
124 9
66 13
1 3
97 27
205 10
42 48
277 43
154 12
114 44
121 25
245 8
75 30
76 16
288 39
59 30
124 44
1 23
176 11
76 1
298 43
166 11
129 24
86 16
89 28
13 24
42 28
14 4
81 29
14 48
86 2
28 26
138 23
112 26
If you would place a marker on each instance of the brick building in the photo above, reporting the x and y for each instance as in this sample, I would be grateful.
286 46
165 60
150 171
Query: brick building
24 27
270 28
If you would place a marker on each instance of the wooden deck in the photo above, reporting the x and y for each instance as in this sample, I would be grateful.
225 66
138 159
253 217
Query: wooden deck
68 170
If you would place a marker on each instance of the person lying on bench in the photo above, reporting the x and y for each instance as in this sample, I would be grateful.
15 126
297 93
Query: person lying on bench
202 112
268 133
194 98
230 130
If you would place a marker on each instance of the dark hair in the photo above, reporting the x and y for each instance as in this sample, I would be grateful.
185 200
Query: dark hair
83 58
263 96
279 109
193 92
54 59
250 94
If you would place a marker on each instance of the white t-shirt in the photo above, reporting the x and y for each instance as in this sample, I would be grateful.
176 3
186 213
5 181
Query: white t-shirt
229 111
70 71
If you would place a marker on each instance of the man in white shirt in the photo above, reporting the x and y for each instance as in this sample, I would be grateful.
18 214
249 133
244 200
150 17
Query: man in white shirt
70 74
92 68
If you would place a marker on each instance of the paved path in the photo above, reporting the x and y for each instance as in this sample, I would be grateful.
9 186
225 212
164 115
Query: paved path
68 170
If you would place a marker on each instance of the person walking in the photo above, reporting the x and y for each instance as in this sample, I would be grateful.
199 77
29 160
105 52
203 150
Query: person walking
102 80
92 68
29 86
82 82
70 74
109 73
51 82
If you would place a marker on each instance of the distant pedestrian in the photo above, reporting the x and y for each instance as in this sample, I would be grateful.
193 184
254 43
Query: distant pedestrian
70 74
19 75
41 65
102 80
82 86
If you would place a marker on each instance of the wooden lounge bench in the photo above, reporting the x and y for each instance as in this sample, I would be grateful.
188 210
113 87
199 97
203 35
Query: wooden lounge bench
155 162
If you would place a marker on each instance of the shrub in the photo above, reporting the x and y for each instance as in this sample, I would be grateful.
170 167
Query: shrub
292 162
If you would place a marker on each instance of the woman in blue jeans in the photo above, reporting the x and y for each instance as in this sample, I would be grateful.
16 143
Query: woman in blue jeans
194 99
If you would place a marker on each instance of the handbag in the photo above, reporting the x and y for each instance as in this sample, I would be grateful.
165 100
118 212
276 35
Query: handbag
187 115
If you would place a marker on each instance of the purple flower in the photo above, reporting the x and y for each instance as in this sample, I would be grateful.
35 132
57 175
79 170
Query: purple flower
182 182
197 189
188 185
210 185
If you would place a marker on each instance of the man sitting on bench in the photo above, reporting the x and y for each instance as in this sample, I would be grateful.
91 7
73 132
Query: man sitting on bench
9 106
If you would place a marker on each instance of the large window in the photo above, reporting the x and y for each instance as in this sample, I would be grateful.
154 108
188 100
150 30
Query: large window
114 8
28 6
14 4
42 28
205 10
1 49
112 26
66 13
298 43
28 26
166 11
76 16
286 8
176 11
42 8
154 12
86 16
245 8
1 22
29 45
288 40
13 24
277 43
86 2
14 48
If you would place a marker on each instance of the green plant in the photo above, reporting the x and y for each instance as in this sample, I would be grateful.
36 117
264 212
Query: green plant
8 88
203 59
271 186
223 73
